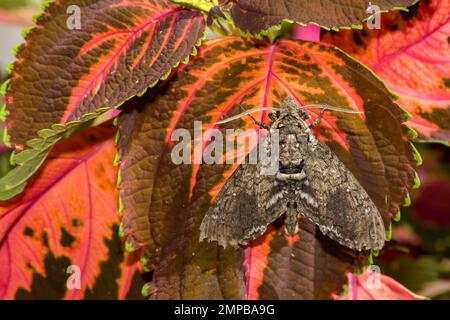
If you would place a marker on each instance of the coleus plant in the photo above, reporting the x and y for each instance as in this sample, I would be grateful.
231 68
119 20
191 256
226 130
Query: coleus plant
66 84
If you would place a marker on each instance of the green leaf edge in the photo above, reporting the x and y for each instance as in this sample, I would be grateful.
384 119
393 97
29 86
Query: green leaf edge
144 263
146 289
200 5
38 149
443 142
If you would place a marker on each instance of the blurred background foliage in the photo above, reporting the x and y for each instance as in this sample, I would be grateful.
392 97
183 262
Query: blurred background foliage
418 256
18 12
14 4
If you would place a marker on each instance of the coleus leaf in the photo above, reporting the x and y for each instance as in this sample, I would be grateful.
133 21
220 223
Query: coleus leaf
255 16
373 286
68 216
122 48
163 204
67 77
202 5
411 54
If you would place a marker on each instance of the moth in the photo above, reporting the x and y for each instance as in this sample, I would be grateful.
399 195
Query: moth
310 183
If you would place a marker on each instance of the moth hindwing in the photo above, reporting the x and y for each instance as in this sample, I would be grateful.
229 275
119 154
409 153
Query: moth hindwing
310 182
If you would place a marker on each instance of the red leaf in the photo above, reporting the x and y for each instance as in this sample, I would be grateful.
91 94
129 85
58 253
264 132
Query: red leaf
372 286
411 54
67 216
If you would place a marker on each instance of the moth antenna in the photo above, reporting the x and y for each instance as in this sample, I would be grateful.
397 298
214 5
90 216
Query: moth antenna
328 107
317 121
240 115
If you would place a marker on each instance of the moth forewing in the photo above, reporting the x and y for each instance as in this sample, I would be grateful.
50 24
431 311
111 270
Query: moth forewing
269 153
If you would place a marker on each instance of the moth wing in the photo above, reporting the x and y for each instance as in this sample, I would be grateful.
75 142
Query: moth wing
335 200
239 213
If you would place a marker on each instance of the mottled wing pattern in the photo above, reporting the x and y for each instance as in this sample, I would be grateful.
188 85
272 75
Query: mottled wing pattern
339 206
239 213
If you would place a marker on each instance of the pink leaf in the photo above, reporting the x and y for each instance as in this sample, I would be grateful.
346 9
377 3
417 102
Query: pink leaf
375 286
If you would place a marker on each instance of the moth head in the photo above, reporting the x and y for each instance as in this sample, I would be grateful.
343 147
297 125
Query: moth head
290 108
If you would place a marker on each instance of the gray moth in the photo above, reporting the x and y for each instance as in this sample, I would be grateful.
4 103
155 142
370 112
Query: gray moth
310 183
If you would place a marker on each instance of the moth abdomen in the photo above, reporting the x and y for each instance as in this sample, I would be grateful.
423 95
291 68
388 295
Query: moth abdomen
291 219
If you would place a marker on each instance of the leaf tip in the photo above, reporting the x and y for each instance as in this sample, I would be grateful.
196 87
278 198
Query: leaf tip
15 50
26 32
10 67
46 4
397 216
416 183
144 263
116 143
407 201
116 159
36 17
120 207
129 246
146 289
119 178
416 155
121 230
413 134
388 234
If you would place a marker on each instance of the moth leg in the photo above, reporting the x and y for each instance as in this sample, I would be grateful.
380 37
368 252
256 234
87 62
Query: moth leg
305 115
260 124
290 219
317 121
